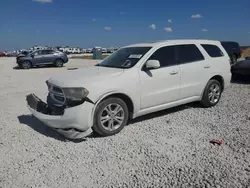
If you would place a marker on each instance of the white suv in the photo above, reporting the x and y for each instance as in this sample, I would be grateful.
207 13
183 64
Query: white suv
133 81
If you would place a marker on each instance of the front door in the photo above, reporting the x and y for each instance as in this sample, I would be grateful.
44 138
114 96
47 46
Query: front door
37 57
161 86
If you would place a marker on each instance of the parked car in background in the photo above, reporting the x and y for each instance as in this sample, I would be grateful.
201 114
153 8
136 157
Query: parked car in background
233 50
41 58
12 54
89 50
133 81
2 54
241 69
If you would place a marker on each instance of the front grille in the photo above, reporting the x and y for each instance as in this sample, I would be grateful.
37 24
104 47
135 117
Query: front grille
56 93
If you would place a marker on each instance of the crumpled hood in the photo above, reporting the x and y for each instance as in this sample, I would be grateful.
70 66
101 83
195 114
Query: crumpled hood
84 76
21 55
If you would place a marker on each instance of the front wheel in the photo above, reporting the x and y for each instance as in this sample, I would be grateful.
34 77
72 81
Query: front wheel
26 65
212 93
110 117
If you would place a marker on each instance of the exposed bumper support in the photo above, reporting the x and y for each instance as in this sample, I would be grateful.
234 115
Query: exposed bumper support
73 123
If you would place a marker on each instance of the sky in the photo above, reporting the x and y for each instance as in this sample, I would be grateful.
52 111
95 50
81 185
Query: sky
106 23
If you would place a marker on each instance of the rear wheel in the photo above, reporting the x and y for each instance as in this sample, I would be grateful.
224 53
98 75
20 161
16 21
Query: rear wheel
58 63
26 65
212 93
110 117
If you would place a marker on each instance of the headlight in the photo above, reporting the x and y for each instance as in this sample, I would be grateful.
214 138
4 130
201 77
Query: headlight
75 93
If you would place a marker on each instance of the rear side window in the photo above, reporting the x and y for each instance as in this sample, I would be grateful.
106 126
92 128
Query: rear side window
165 55
188 53
46 52
212 50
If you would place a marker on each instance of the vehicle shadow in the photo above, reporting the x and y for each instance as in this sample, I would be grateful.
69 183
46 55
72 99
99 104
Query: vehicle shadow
165 112
41 128
157 114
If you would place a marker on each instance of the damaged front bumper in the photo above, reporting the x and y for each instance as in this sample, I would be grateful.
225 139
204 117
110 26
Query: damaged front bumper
73 122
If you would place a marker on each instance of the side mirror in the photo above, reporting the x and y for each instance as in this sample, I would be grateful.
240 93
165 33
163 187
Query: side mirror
32 55
152 64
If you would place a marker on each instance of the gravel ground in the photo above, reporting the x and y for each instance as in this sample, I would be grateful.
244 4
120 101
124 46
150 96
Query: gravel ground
165 149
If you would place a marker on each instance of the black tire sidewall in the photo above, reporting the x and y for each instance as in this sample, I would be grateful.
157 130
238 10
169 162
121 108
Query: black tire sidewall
97 127
205 99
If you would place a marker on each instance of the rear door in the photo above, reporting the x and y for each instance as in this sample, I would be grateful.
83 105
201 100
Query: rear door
48 56
192 65
219 61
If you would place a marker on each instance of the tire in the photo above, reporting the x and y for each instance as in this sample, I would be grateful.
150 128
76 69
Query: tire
26 65
58 63
233 59
105 110
212 93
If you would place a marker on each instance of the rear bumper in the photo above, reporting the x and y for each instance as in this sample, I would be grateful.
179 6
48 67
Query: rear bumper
74 123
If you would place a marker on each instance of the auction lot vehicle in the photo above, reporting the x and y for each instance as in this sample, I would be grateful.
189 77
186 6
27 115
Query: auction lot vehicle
41 57
135 80
2 54
242 69
233 50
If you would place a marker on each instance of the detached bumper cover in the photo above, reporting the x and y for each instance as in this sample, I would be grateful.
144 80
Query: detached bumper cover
74 123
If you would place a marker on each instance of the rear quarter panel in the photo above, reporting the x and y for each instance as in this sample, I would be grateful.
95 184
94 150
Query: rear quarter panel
223 67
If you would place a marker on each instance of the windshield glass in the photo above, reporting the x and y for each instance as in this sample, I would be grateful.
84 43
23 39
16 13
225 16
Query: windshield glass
33 52
125 57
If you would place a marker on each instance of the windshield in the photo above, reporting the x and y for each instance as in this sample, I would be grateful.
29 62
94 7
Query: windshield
33 52
124 57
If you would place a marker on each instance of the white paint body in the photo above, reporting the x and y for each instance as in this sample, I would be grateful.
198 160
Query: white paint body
165 88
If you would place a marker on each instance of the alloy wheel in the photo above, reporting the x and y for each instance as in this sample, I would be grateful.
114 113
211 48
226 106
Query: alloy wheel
26 65
112 117
214 93
59 63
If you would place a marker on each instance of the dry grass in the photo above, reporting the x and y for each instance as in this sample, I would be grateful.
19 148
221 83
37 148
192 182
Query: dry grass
246 52
87 57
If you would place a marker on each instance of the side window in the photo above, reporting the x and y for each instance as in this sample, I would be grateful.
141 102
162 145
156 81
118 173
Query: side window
188 53
212 50
46 52
165 55
39 52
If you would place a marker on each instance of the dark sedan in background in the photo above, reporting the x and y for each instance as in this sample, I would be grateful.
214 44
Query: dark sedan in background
41 58
241 69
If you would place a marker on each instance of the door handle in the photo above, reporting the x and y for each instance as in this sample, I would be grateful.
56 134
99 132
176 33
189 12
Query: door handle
174 72
207 66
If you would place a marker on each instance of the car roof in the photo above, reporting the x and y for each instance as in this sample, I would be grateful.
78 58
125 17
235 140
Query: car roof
171 42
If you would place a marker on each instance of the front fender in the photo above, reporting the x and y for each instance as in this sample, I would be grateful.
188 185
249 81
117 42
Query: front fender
109 93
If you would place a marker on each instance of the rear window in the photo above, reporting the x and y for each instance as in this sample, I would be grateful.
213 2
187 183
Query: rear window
212 50
188 53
